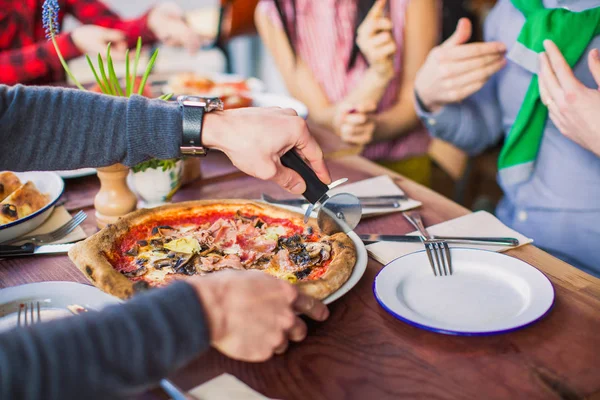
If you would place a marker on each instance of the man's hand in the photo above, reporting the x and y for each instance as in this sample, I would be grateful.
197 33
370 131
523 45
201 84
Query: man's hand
255 138
355 124
167 23
252 315
573 107
454 70
375 40
92 39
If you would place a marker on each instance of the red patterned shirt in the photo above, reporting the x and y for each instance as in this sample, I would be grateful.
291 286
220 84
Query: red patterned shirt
26 56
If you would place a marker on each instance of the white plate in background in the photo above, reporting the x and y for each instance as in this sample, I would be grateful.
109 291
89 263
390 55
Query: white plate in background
54 297
76 173
47 183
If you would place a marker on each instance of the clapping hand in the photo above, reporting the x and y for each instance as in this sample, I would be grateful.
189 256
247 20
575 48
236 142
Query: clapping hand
455 70
573 107
375 40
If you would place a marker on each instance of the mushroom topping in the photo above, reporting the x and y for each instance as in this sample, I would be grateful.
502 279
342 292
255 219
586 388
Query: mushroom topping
292 244
141 261
138 272
157 242
134 251
163 230
163 263
142 243
303 273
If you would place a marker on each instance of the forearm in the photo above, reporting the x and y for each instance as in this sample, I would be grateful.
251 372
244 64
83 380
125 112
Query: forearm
398 120
35 61
55 128
370 89
117 352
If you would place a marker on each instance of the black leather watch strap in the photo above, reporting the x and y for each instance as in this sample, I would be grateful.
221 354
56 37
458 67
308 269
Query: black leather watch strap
192 126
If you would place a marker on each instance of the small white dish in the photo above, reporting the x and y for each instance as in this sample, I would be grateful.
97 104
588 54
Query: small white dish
278 100
76 173
46 182
54 297
488 293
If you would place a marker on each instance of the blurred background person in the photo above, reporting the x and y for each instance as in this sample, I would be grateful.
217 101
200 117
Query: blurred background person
466 97
353 63
27 57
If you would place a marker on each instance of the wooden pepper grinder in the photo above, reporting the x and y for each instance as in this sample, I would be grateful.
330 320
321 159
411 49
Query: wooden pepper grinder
114 199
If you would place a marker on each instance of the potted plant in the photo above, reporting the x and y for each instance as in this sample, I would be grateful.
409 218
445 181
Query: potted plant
155 180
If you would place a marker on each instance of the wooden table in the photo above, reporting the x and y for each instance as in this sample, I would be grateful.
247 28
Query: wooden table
362 352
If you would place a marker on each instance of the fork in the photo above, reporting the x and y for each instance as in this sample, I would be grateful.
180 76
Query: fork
437 250
59 233
34 314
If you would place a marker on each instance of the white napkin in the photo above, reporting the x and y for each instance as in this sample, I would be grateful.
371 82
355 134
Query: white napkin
378 186
58 218
480 223
225 386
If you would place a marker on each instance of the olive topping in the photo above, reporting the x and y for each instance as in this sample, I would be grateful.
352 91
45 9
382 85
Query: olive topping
142 243
303 273
309 230
9 210
300 258
171 254
259 223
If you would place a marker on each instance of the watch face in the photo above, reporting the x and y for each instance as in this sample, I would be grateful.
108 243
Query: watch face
209 103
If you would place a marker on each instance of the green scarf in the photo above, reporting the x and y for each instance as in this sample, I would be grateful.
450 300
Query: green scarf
572 33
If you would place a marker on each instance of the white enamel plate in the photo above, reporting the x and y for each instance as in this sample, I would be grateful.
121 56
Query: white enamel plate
488 293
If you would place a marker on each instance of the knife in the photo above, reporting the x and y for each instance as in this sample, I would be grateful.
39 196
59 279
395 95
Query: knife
387 201
495 241
29 249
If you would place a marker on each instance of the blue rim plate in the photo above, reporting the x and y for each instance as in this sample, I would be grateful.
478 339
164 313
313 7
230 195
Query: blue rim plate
46 182
489 293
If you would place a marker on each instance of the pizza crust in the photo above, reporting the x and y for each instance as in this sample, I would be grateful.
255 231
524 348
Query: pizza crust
90 255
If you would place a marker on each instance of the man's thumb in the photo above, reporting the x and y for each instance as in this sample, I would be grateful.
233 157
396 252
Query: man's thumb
461 35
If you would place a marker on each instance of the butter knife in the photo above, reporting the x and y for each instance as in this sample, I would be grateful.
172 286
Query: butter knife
365 201
493 241
30 249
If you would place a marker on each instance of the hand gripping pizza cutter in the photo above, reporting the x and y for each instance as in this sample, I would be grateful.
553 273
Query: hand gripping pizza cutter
337 213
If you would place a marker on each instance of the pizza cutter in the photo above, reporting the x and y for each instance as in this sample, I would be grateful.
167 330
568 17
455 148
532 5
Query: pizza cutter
337 213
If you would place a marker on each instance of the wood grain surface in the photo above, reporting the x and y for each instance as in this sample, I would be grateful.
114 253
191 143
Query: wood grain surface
362 352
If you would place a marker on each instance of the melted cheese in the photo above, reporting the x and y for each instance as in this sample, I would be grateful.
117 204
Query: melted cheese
186 244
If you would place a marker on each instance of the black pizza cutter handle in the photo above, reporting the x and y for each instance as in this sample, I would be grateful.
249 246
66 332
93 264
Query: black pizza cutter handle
315 188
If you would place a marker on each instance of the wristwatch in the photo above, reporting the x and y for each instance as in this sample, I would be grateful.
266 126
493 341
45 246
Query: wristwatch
193 109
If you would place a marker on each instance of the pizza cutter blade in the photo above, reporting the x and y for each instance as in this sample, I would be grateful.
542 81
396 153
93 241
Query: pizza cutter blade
338 213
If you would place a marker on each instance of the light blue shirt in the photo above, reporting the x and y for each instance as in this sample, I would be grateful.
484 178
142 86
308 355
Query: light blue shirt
559 207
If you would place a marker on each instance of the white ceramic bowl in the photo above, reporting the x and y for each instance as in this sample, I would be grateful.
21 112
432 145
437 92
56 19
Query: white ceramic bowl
46 182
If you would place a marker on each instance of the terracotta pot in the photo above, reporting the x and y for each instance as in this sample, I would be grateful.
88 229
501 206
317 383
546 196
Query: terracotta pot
191 170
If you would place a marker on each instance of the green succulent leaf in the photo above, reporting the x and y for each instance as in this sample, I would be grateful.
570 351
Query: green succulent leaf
98 80
147 72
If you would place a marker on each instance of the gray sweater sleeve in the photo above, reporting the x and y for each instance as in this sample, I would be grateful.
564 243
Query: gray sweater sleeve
112 354
54 129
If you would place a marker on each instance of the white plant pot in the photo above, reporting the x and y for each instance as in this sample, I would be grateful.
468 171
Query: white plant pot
155 187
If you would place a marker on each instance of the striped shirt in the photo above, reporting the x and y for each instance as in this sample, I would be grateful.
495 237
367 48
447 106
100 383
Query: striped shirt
324 41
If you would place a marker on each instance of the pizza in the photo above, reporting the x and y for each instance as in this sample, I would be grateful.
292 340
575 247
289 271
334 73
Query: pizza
18 200
152 247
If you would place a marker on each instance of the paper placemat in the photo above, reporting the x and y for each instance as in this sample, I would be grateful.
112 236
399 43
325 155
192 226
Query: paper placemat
225 386
59 217
378 186
480 223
